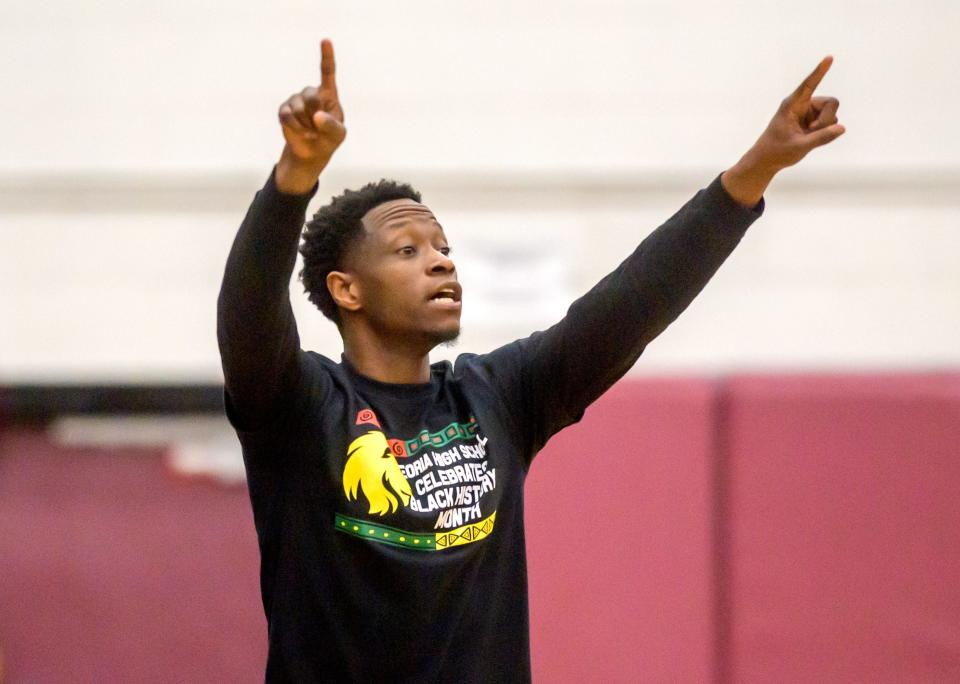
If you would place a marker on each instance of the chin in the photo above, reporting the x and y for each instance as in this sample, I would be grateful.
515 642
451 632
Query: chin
446 337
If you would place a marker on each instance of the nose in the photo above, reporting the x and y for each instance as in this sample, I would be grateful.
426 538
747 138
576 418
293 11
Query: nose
441 263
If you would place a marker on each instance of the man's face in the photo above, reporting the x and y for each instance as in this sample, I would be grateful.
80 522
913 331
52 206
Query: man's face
408 282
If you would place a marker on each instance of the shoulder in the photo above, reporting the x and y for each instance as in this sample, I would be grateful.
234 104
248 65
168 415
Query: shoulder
505 358
467 368
465 364
321 373
501 366
320 363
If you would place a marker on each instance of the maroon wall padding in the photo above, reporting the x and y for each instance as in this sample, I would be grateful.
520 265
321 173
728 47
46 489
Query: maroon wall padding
619 539
113 570
759 529
844 528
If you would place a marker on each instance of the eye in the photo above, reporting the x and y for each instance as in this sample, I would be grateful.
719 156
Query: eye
407 250
446 250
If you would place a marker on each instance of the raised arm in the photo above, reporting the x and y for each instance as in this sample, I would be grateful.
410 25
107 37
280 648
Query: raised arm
549 378
256 330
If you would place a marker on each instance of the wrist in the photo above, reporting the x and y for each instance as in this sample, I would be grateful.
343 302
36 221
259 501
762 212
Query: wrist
747 180
297 176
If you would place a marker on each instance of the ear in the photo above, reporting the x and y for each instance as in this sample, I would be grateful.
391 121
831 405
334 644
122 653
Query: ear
345 290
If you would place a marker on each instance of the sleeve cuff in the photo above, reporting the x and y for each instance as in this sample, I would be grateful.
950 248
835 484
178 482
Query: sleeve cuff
729 206
284 203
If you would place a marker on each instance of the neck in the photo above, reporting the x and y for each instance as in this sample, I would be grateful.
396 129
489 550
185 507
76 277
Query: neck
379 360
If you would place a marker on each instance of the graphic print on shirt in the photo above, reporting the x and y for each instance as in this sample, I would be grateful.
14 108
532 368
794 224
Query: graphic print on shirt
372 468
444 473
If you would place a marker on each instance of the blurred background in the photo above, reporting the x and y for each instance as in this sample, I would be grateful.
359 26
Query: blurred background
770 495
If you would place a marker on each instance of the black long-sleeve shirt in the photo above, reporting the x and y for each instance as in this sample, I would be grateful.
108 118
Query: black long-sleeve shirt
390 516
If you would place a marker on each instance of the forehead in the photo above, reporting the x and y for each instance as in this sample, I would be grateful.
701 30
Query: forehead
385 217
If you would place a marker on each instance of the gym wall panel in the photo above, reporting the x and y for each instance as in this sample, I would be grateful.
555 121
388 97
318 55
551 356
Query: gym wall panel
619 538
843 521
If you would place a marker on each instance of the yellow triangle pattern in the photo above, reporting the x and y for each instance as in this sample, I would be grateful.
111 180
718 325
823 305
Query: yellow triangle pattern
466 534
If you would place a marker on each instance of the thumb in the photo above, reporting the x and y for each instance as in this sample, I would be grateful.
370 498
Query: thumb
328 127
825 135
322 120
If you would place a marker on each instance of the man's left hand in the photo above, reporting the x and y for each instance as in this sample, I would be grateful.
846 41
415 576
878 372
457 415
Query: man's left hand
802 123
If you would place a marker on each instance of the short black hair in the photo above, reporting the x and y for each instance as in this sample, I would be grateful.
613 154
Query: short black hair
331 231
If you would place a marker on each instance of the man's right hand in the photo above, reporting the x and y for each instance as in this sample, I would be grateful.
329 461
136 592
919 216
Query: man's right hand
312 123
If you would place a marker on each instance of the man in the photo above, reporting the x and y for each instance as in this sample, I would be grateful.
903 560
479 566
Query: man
388 492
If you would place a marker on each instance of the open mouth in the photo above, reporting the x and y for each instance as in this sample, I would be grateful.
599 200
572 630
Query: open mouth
447 294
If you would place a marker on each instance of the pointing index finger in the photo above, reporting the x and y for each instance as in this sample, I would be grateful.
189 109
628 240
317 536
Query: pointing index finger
810 83
328 65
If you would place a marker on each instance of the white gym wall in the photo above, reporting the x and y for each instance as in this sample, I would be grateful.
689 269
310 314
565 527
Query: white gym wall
549 138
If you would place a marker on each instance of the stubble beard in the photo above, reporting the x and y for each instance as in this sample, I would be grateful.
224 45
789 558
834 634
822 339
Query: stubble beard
447 338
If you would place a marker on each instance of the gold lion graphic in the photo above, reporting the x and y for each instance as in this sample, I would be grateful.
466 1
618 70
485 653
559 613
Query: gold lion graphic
372 466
